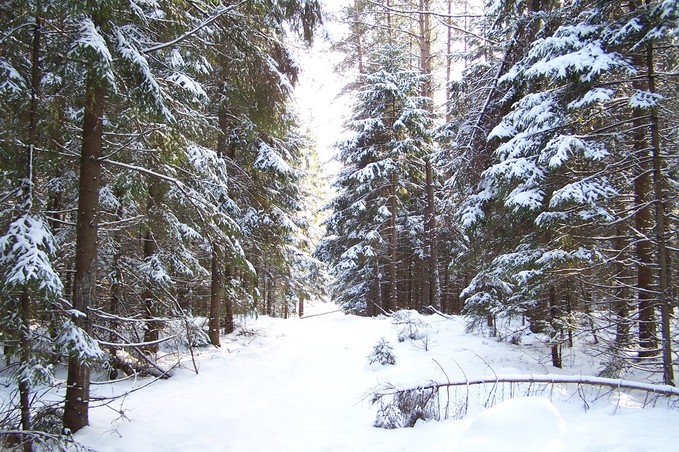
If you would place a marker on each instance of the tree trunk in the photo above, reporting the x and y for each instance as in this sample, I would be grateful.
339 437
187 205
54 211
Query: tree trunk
643 219
269 295
25 313
389 26
116 278
644 249
24 386
449 62
377 302
433 294
431 233
661 255
85 278
569 313
554 330
300 306
215 297
152 331
623 326
229 325
391 299
358 38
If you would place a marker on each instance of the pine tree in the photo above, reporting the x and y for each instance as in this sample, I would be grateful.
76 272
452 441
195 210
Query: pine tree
390 128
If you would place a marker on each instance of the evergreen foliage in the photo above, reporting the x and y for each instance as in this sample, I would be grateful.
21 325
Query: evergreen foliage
557 156
382 354
183 116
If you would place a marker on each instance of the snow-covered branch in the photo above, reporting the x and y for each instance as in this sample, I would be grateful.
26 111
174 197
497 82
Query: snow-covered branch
403 407
195 30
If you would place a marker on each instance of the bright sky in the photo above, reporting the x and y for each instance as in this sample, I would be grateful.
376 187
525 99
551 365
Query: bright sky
318 91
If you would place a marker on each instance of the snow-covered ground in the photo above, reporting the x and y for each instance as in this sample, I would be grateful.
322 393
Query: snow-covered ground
301 385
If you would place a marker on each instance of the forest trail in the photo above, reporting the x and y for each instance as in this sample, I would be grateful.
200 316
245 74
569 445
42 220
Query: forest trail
301 385
270 388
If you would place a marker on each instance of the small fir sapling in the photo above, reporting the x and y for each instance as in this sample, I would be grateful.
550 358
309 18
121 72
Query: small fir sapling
383 354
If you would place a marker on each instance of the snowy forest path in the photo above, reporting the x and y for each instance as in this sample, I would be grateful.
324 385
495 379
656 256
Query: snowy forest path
301 385
260 390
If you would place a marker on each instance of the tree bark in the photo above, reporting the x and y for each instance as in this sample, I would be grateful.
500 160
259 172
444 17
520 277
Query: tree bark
431 232
215 297
229 325
392 297
553 334
377 284
85 278
643 223
622 305
449 62
433 283
24 386
358 38
25 313
660 229
116 276
390 30
269 295
152 331
300 305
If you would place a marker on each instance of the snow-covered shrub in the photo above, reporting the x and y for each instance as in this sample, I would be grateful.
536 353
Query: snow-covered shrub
405 408
383 354
410 326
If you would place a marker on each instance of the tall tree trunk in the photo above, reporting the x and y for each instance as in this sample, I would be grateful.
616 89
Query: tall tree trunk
431 232
377 302
622 307
643 218
358 37
300 305
25 313
152 331
269 295
449 62
425 50
661 255
116 276
643 222
85 277
391 300
24 385
215 297
229 325
390 29
554 328
433 283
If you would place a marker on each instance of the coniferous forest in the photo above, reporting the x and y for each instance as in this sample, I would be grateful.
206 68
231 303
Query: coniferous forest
542 191
512 161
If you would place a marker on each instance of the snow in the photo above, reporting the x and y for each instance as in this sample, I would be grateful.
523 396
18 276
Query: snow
592 96
535 420
302 385
269 158
74 340
10 79
92 43
644 99
25 252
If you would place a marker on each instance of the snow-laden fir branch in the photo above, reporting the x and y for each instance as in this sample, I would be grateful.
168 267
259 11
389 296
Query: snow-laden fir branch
195 30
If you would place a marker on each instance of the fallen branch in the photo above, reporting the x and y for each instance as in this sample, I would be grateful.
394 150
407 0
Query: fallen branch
323 313
436 311
665 390
402 407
